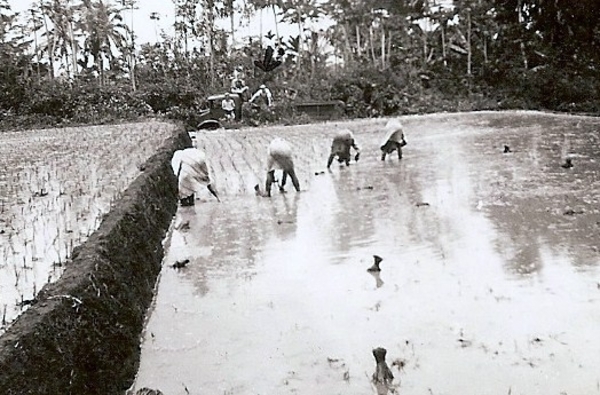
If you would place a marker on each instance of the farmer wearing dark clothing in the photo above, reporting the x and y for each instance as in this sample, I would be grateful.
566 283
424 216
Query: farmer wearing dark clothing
393 140
340 147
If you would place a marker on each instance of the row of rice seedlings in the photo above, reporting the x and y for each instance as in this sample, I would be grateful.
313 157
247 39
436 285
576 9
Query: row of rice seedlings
61 185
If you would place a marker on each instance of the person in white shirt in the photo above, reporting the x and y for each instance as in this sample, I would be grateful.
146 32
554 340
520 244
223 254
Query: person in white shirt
191 169
228 106
279 157
394 139
263 94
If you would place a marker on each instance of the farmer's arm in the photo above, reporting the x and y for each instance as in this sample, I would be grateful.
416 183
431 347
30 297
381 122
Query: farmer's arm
254 96
355 146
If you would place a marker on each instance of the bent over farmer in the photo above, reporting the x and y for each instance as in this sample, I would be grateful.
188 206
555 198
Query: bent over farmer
279 157
393 140
340 147
191 169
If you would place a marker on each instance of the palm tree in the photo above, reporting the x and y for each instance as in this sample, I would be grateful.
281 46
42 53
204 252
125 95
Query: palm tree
60 38
105 32
35 21
274 5
299 12
130 40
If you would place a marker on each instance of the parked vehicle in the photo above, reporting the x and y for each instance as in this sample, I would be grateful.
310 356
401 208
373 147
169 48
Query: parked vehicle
213 116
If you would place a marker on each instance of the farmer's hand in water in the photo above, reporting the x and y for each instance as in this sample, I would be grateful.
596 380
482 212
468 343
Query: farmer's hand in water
259 192
213 191
357 156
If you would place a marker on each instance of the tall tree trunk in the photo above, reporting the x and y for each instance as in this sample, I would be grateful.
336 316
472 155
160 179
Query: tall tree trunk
131 57
276 24
358 48
50 45
232 24
425 50
260 27
389 47
382 47
485 55
73 49
372 45
300 42
444 45
469 54
521 43
211 38
36 48
348 47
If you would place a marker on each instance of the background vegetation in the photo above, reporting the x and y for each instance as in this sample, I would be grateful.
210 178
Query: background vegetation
76 61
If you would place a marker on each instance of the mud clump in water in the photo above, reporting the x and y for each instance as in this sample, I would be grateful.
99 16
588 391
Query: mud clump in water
82 334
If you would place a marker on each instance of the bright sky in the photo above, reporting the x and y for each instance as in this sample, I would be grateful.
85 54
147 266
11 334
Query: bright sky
146 29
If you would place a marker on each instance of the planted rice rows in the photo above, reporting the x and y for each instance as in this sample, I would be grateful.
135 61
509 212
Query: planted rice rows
238 158
55 187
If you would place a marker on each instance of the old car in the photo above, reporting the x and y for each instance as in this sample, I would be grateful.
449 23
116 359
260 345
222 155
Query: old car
213 116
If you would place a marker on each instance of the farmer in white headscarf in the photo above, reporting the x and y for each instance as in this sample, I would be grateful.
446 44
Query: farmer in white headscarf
340 147
191 169
279 157
394 139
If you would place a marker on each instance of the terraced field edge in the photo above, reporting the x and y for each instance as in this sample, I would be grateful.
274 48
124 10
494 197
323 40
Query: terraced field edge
82 334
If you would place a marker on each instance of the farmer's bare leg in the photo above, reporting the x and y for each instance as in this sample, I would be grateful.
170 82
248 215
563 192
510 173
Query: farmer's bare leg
330 160
399 149
347 154
294 178
270 180
283 181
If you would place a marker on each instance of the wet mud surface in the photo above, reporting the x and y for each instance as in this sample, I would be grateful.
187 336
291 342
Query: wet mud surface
489 282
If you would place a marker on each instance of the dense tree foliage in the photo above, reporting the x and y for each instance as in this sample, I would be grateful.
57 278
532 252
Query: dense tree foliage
78 61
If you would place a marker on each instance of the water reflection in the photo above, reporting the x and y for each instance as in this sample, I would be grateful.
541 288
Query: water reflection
378 281
223 240
284 214
533 202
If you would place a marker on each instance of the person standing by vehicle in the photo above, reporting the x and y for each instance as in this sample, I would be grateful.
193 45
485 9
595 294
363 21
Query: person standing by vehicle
239 86
228 106
340 147
263 96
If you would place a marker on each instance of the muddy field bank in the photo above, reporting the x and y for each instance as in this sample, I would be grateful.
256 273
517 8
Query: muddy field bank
81 335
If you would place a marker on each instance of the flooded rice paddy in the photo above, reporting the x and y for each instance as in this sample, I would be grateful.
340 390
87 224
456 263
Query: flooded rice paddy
55 187
489 284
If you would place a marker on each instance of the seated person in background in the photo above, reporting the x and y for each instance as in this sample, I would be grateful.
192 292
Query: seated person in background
262 96
393 140
279 157
340 147
228 106
191 169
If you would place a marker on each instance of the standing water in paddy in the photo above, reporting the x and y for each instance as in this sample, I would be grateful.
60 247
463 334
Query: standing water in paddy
489 270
